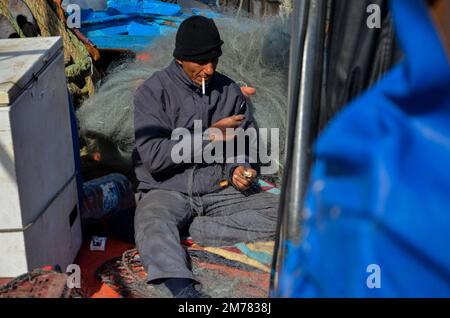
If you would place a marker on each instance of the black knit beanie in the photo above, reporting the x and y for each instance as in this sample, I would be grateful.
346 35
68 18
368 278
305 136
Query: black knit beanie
198 39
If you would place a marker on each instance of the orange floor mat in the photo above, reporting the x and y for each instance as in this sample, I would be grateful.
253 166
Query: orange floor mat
89 261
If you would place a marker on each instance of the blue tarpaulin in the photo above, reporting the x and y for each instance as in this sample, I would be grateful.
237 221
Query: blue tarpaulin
377 214
145 7
134 24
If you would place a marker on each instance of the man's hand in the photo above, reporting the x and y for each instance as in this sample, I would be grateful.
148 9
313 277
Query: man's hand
243 177
229 122
248 91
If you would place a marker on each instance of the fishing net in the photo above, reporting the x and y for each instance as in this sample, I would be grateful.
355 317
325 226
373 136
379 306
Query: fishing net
256 54
219 277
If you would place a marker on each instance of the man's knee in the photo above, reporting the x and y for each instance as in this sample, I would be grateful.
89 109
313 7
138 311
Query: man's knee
268 204
158 208
159 203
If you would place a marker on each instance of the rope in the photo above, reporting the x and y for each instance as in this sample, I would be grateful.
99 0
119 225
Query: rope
119 274
241 2
127 267
30 277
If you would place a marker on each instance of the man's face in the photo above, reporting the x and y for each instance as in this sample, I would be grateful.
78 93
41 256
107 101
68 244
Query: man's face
198 70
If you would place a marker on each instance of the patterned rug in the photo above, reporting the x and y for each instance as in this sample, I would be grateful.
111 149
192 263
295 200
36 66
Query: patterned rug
239 271
219 271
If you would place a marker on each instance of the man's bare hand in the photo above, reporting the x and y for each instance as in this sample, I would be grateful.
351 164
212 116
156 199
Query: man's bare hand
222 125
229 122
243 177
248 91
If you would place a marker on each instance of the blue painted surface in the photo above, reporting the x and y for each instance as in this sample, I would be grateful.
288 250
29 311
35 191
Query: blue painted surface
145 6
110 31
134 24
138 29
134 43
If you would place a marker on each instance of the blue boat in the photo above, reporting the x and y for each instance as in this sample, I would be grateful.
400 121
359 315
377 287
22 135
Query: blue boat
134 25
152 7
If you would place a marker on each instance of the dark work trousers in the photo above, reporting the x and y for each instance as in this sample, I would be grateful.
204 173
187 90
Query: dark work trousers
218 219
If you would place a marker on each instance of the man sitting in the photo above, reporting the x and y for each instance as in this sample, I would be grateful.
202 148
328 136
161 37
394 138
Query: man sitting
212 200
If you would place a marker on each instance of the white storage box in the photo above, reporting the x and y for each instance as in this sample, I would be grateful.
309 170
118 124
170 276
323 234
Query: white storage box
39 217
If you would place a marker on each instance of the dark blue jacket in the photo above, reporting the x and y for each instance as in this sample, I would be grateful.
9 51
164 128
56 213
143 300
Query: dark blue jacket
169 100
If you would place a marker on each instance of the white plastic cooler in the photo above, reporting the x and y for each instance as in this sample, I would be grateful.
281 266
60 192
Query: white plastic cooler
39 217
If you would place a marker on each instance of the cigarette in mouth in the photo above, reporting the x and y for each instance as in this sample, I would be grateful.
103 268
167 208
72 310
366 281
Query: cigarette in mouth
203 86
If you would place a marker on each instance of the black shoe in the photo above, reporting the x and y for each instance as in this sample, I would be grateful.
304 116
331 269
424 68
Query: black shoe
191 292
